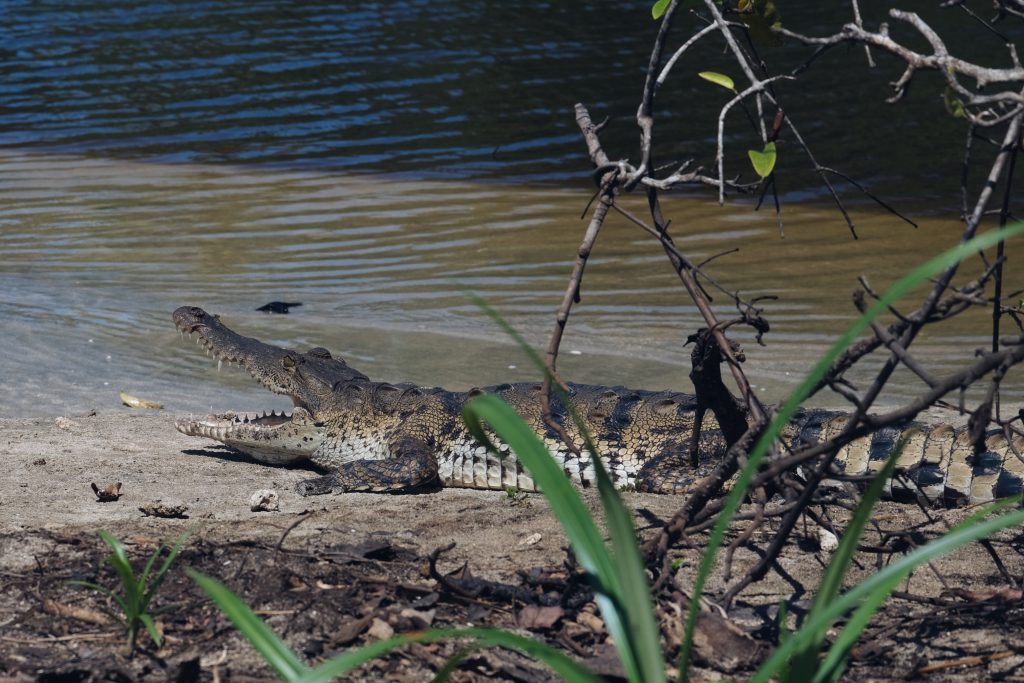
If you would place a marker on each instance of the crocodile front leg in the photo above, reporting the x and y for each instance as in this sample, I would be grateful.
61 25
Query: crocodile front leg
411 465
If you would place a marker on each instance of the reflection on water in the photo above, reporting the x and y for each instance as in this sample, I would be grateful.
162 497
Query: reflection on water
94 255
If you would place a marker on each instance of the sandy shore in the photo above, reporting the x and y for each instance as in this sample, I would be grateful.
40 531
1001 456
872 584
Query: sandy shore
50 517
52 463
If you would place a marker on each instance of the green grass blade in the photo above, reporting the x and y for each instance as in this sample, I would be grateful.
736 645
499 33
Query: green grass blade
989 510
899 289
805 662
103 589
832 581
154 633
144 574
453 663
570 511
834 664
563 665
274 651
161 573
628 613
565 502
643 630
118 559
119 618
891 575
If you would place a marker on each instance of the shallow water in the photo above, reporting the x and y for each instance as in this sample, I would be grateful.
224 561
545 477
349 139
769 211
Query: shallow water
375 163
92 267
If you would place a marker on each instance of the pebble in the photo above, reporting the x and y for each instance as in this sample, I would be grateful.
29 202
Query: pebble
264 500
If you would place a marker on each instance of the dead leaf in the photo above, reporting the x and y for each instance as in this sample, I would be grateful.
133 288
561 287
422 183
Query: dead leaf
107 494
351 630
725 645
136 402
536 617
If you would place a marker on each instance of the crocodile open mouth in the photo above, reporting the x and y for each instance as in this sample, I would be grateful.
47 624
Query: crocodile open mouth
223 355
228 424
275 436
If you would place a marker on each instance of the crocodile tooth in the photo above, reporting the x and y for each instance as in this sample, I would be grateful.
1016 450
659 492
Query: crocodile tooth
218 364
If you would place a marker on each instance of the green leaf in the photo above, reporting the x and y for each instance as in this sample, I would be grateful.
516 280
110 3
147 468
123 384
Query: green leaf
718 79
625 601
158 578
561 664
763 161
565 503
276 653
118 559
154 632
643 631
659 8
878 586
954 105
806 661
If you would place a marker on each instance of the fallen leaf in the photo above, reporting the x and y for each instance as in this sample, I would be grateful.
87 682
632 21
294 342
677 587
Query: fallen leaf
538 617
722 643
351 630
136 402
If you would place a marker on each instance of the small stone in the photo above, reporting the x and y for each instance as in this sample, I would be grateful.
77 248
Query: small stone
65 423
380 630
264 500
532 539
827 541
418 619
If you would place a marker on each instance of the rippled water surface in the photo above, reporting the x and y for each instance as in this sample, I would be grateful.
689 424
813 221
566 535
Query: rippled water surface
374 164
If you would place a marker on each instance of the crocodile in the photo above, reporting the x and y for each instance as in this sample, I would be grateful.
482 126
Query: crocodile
383 437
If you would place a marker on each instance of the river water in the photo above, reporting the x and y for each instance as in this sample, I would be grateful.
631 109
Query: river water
375 161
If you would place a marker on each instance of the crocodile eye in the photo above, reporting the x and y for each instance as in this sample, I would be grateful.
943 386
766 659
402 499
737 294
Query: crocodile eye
289 362
319 352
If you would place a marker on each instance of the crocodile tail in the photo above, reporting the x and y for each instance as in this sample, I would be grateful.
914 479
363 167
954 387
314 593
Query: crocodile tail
938 464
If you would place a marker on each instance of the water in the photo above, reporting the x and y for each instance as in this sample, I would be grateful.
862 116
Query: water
373 164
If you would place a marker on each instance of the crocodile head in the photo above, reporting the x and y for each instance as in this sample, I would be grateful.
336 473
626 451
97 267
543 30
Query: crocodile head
307 378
